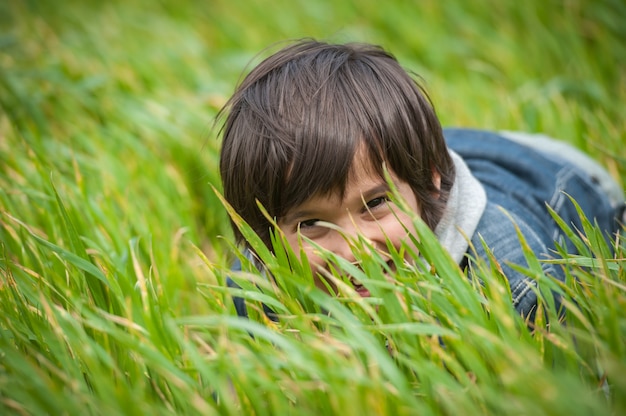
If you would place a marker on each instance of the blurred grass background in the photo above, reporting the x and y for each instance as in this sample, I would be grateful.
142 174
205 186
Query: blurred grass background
109 224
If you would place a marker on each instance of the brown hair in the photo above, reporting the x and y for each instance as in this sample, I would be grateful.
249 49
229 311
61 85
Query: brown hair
297 119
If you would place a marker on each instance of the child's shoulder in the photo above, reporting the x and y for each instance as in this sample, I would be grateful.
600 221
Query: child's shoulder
530 155
469 142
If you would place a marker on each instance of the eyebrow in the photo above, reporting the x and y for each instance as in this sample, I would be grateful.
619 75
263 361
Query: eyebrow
378 189
308 213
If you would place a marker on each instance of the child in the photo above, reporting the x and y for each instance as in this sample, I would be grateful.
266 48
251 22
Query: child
311 130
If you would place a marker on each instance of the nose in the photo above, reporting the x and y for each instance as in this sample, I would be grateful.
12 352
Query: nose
342 241
341 245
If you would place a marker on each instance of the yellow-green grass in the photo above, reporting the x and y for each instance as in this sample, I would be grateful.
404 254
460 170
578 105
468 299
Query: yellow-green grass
114 247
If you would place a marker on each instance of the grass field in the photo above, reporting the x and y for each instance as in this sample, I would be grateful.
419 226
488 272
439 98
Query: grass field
114 246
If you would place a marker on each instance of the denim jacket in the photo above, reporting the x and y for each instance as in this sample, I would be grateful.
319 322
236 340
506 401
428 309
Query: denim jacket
521 181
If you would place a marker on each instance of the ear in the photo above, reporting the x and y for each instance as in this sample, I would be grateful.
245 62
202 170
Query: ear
436 178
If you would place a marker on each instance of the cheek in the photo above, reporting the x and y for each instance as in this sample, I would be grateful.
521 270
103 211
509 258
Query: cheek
398 230
314 260
316 263
396 227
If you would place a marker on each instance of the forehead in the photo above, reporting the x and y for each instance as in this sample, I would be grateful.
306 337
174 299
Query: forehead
363 179
364 169
326 168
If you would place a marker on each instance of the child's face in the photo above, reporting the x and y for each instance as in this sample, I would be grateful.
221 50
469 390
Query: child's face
365 210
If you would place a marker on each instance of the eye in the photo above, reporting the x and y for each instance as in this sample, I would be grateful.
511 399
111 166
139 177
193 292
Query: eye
307 224
376 202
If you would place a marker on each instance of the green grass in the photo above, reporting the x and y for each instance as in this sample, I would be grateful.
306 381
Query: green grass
114 248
